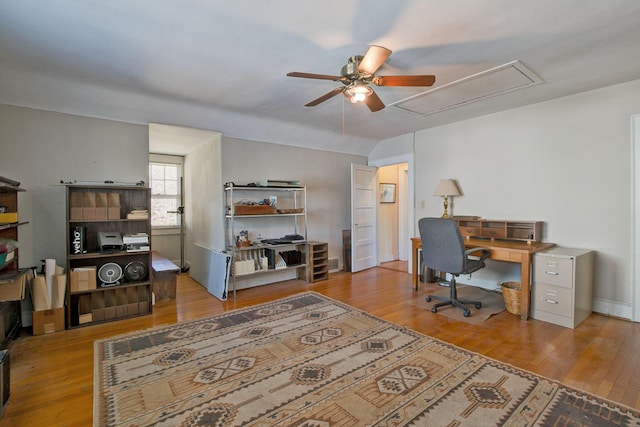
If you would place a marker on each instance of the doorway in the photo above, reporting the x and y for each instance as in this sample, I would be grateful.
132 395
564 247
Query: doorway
392 216
199 149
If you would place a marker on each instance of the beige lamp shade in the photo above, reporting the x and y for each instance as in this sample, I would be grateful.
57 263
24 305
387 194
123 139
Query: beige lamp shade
447 187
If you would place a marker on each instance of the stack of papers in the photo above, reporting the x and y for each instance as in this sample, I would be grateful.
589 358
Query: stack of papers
136 242
138 214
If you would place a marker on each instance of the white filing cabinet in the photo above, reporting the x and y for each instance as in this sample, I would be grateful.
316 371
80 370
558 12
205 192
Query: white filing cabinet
562 286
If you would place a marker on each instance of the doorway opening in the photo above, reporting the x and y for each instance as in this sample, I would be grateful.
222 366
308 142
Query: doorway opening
392 216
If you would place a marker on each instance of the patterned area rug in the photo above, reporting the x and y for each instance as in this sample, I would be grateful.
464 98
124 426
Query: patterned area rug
310 361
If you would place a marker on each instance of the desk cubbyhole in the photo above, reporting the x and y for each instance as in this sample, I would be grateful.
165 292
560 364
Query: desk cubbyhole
97 306
143 299
121 302
109 304
132 301
84 309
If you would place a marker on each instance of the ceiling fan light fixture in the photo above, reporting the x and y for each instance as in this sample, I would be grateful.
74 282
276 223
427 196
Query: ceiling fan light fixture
358 73
357 92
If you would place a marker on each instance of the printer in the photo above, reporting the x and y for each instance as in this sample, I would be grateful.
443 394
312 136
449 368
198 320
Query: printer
109 241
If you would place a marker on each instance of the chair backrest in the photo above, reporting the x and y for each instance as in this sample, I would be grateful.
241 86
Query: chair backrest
442 245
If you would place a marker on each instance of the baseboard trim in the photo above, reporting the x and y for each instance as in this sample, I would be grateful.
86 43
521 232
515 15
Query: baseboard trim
612 308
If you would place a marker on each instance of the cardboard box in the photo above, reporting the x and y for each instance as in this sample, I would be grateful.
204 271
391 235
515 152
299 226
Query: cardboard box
13 290
76 203
48 321
83 279
85 318
113 205
101 206
89 203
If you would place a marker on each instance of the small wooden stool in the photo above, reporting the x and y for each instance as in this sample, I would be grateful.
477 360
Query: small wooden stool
165 275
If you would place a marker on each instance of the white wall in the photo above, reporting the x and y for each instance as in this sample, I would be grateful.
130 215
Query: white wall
40 148
392 147
566 162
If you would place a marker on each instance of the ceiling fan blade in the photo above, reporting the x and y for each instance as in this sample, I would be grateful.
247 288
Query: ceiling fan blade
325 97
373 59
404 80
315 76
374 102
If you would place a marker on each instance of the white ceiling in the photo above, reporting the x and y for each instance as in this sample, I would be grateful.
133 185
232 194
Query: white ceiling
221 65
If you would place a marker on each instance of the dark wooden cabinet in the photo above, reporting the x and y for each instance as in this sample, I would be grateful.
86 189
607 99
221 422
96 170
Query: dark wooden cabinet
10 277
107 209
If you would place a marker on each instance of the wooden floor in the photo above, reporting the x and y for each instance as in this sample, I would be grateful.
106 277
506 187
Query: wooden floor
52 375
396 265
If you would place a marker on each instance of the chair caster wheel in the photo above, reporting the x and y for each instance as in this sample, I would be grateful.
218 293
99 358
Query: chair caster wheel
434 310
429 298
466 313
479 306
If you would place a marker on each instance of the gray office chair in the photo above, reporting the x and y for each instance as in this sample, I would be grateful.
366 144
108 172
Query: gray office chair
443 250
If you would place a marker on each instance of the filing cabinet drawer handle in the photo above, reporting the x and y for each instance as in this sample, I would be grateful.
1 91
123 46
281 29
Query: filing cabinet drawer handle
553 273
550 301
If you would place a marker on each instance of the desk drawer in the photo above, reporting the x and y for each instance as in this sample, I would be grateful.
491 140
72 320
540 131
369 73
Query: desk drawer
552 299
469 231
553 271
494 233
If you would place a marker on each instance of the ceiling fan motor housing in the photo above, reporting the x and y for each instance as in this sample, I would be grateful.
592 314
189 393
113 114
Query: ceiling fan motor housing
350 70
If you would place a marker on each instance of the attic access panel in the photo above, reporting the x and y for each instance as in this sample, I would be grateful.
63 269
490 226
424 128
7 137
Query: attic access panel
495 81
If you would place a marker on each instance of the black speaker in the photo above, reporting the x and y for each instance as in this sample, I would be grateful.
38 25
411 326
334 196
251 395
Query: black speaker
78 240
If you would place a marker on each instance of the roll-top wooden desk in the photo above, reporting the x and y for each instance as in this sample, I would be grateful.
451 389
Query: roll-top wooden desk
520 252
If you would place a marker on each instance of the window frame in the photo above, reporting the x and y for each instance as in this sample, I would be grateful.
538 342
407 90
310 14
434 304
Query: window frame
166 159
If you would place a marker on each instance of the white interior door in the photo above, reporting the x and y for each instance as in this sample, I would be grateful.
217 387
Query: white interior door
363 217
635 290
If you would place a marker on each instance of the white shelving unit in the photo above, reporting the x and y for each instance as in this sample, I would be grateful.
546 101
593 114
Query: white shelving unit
250 208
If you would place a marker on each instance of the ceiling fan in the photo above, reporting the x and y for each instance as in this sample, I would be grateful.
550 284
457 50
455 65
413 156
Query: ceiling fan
358 73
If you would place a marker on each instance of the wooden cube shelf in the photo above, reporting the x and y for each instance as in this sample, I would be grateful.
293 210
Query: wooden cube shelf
317 261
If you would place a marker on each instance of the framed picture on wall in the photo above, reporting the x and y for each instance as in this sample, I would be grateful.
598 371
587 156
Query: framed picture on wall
387 193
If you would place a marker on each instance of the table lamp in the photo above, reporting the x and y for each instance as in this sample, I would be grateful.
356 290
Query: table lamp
446 188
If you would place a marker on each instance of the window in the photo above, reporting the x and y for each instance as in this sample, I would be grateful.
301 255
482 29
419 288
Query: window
165 174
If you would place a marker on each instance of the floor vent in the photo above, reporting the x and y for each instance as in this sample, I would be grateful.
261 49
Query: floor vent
333 265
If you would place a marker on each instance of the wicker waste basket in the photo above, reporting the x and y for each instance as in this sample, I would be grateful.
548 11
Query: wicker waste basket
511 294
